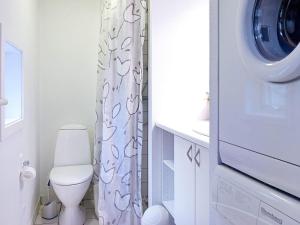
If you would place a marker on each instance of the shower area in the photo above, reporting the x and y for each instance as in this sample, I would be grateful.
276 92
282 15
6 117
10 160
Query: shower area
144 156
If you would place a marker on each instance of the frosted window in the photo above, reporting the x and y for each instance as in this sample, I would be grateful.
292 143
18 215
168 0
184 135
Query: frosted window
13 84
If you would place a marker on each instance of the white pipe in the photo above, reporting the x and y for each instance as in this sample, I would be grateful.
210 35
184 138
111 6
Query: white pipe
3 102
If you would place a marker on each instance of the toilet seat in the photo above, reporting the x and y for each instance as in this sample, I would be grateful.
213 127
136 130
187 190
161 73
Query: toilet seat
71 175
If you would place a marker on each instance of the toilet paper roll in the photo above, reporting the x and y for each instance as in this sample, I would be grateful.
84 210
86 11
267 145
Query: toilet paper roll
28 173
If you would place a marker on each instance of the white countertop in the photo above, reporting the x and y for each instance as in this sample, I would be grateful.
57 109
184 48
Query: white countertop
197 132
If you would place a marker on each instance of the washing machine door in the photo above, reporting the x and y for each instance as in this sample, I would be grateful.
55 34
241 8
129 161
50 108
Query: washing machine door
268 37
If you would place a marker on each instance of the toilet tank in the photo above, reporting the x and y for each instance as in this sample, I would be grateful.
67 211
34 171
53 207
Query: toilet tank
72 146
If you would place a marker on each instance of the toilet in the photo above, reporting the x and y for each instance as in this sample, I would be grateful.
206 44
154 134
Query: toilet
72 172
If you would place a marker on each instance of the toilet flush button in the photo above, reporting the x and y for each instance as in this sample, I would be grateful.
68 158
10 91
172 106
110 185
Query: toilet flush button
271 216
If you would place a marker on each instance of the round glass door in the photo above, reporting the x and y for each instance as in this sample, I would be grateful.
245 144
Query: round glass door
276 25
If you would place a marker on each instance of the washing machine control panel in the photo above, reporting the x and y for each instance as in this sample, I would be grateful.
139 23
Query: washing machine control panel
268 215
239 204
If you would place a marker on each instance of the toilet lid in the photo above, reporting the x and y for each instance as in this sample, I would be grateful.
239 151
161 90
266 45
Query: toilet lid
70 175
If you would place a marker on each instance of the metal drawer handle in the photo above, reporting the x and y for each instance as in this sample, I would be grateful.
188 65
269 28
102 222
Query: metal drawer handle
197 158
3 102
189 153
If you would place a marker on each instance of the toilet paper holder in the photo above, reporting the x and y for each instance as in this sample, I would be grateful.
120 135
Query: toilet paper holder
27 172
26 163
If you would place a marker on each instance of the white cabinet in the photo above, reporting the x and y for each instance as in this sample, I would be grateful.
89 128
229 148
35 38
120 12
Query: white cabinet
202 186
191 183
184 182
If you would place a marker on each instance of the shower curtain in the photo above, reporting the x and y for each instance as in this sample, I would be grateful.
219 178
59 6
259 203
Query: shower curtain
119 125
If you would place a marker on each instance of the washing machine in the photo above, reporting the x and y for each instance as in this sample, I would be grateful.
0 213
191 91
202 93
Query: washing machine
259 90
241 200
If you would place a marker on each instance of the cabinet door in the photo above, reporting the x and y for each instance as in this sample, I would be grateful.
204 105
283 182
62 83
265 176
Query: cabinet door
202 185
184 182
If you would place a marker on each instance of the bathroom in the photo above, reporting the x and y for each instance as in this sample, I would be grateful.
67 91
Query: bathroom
205 140
58 42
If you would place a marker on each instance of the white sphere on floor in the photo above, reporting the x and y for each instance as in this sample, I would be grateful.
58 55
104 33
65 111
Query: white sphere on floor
156 215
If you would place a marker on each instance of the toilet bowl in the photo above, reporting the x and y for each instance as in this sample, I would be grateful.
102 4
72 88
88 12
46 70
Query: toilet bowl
72 172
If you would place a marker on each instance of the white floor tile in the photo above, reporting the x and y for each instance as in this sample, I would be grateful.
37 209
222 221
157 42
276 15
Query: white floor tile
88 204
39 220
91 222
90 213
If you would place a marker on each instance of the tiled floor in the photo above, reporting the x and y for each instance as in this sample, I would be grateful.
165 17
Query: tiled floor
90 215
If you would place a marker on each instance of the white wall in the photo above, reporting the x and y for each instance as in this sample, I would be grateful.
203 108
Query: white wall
19 19
179 58
68 65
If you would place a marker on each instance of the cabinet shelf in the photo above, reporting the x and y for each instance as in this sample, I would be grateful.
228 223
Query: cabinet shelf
169 206
169 164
